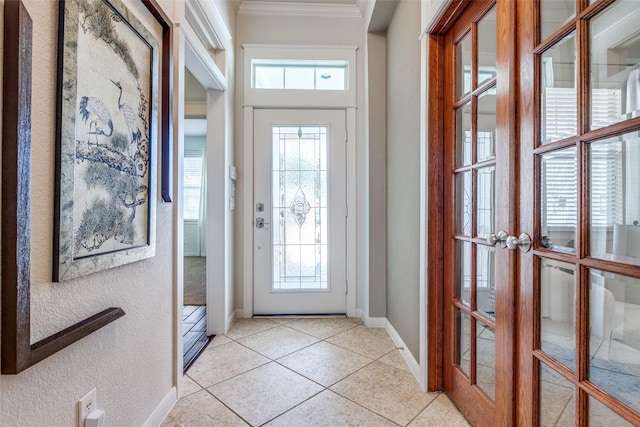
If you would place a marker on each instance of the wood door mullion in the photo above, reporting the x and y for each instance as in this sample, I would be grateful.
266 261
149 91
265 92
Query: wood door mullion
507 212
529 108
449 134
582 346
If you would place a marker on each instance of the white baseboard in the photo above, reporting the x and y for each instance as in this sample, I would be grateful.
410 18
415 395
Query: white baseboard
373 322
408 356
230 319
163 409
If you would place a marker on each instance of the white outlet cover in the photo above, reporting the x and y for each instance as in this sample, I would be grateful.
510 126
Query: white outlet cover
86 405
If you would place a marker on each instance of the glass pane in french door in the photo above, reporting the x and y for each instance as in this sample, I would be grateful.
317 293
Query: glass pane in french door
586 339
474 202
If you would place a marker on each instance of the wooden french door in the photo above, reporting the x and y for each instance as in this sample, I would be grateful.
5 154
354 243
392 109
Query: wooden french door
479 275
579 290
540 219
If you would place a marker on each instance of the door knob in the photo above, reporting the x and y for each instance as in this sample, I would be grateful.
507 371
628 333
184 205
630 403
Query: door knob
500 238
522 242
260 222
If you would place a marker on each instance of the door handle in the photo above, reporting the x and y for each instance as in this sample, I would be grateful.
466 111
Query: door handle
522 242
260 222
500 238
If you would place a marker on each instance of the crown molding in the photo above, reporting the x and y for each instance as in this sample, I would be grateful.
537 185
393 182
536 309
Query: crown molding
252 7
206 22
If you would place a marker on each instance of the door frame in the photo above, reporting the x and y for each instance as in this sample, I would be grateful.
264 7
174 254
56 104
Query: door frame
248 226
189 47
507 119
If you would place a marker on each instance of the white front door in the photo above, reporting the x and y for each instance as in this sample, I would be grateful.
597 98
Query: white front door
299 212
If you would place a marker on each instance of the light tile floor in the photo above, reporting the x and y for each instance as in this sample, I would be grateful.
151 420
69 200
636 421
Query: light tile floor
306 372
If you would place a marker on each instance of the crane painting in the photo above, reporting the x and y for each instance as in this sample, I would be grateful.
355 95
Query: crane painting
109 108
92 109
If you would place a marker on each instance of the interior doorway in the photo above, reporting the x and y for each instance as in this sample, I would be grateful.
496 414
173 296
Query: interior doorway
194 193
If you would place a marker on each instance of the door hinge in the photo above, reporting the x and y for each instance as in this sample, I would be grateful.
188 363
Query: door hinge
346 287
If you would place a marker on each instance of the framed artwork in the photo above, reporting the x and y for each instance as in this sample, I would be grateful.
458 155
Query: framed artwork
18 353
107 135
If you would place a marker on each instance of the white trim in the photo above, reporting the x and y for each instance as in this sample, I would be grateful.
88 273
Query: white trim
217 213
163 409
207 23
252 7
372 322
352 212
320 99
406 354
435 17
247 282
231 317
178 213
200 62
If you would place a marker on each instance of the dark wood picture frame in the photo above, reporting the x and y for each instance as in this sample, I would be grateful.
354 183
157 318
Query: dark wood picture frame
18 353
166 101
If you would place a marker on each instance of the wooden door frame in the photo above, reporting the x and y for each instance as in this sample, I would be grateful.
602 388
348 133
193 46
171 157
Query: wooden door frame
506 143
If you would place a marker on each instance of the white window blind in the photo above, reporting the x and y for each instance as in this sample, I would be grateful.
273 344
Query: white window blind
193 167
606 183
560 117
559 184
559 170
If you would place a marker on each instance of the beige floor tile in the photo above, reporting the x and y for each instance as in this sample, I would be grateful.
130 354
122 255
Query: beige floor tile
370 342
278 342
356 320
440 412
283 320
244 327
219 340
264 393
390 392
330 409
395 359
324 363
220 363
189 386
201 409
322 328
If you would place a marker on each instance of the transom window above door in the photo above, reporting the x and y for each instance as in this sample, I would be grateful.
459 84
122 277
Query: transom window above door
299 76
303 75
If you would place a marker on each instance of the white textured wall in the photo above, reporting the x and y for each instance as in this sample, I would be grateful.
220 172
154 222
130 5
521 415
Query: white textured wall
129 361
292 30
403 173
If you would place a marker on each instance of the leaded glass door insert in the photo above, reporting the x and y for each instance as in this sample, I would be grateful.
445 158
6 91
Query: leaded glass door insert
300 208
300 212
